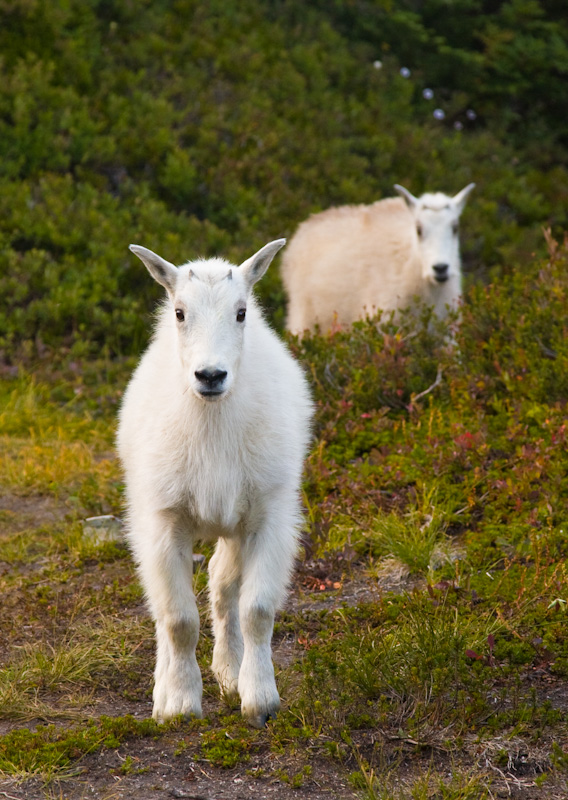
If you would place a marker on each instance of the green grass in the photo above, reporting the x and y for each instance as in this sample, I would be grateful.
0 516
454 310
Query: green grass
416 539
460 786
49 753
436 489
230 745
70 670
439 524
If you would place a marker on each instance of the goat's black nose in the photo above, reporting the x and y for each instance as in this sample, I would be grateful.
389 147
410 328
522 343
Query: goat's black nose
441 271
212 378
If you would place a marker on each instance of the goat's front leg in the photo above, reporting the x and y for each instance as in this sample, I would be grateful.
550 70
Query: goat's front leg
224 586
166 568
267 563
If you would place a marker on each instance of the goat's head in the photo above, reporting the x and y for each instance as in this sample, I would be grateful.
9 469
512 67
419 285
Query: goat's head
208 307
436 220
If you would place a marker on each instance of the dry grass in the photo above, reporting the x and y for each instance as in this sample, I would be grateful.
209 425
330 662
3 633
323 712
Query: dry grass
367 689
69 670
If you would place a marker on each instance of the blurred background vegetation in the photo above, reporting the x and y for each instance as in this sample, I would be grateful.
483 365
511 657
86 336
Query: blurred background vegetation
438 477
201 128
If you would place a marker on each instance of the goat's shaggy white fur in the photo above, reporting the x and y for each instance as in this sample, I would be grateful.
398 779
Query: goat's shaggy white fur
347 262
213 432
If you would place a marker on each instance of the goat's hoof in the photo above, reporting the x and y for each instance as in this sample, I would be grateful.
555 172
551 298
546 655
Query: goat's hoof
267 717
165 715
261 719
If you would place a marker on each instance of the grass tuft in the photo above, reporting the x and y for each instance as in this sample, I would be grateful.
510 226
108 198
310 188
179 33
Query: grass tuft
70 670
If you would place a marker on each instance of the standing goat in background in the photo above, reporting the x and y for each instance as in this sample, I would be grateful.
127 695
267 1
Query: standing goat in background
213 432
346 263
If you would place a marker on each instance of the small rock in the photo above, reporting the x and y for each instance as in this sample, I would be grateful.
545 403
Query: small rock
198 561
182 793
107 528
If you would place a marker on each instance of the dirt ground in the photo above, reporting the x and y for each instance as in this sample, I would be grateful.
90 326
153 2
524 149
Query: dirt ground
167 775
154 769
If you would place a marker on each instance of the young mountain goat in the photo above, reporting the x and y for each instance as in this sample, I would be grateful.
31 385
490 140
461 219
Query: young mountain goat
213 432
347 262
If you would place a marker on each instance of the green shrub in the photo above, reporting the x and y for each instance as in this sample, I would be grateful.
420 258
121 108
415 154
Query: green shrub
213 129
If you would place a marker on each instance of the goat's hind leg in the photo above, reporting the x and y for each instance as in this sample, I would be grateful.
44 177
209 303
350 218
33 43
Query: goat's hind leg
166 569
224 587
267 565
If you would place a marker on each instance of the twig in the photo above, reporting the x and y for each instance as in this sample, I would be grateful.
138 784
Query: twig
437 382
328 376
548 352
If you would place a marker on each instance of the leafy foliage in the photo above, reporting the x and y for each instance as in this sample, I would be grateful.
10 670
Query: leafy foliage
47 751
200 129
437 483
437 480
484 419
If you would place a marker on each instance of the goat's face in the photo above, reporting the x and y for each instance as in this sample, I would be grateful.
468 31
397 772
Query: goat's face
210 305
209 308
436 228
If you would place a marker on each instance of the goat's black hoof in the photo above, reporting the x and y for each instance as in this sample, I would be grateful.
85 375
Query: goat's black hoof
261 720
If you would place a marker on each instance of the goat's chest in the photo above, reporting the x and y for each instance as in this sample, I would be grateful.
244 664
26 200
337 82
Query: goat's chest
213 485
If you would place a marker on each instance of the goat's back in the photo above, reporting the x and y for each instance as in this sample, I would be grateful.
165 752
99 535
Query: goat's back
348 261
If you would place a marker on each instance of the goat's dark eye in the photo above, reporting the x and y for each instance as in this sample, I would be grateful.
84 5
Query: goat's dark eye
180 315
455 228
419 230
241 314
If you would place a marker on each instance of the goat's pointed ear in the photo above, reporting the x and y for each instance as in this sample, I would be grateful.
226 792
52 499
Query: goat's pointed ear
254 267
160 269
408 198
461 197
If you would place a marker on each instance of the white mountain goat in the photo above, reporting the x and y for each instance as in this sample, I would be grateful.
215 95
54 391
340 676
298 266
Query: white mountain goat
347 262
212 435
